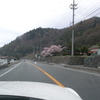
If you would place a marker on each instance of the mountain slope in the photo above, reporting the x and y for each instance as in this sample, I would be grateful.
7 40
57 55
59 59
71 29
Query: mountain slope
86 33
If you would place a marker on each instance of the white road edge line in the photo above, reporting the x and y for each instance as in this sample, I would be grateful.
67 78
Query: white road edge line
79 71
84 72
10 70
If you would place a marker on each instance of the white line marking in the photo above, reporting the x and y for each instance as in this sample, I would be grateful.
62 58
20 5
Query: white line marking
79 70
84 71
10 70
76 70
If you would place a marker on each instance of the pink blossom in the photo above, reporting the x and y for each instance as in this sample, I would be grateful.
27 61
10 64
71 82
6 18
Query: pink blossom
52 49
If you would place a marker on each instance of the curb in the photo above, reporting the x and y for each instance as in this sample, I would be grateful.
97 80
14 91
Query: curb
77 67
93 70
8 65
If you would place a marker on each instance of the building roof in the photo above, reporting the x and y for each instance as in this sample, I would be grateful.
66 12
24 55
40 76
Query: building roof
5 57
94 47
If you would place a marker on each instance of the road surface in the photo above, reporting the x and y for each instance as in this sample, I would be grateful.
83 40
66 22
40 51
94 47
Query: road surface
85 84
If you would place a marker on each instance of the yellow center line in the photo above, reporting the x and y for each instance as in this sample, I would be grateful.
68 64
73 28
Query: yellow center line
58 83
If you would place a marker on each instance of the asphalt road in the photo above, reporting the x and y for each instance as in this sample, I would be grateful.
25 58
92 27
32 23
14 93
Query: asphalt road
85 84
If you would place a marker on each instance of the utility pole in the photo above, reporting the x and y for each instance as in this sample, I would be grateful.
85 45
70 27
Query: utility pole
37 49
73 7
40 49
33 51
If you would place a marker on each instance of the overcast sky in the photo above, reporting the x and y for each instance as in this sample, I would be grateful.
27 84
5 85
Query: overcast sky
19 16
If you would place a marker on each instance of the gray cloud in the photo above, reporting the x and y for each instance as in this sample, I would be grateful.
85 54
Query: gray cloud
20 16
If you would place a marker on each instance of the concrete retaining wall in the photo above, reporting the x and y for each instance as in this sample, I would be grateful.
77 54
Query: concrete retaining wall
65 60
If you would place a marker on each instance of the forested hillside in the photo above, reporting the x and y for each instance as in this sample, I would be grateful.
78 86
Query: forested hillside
87 33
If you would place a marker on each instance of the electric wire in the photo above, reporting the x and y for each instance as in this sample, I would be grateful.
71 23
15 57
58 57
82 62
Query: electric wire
89 12
97 14
78 2
63 18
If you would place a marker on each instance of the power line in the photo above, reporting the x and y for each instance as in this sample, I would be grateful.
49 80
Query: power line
93 7
63 18
97 14
78 2
89 11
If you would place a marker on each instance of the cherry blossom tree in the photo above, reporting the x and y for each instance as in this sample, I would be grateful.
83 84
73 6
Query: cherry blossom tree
48 51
